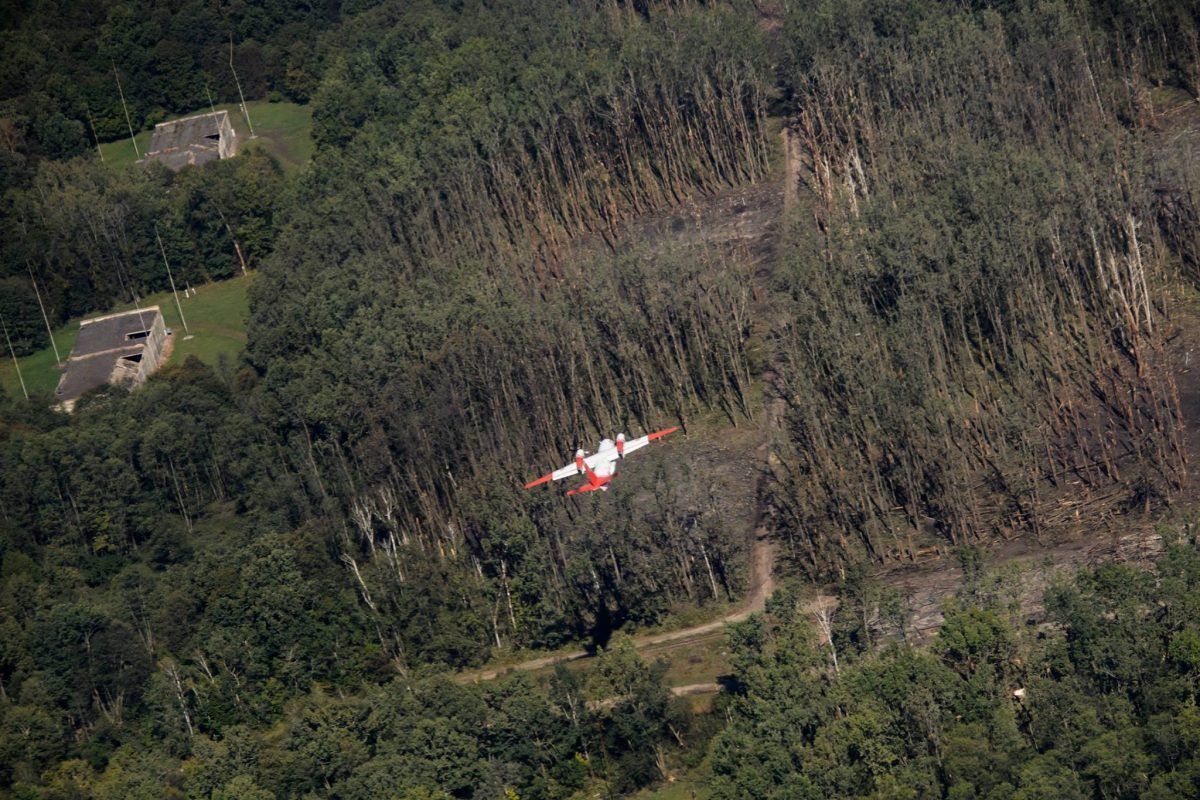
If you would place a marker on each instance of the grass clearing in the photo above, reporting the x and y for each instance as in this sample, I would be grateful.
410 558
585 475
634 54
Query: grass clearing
684 788
216 315
698 661
282 129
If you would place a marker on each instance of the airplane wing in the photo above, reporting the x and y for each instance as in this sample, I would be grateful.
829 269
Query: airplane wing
642 441
557 475
598 458
570 469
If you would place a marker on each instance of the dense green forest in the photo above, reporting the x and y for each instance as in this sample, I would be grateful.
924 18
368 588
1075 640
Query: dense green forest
62 62
83 236
85 233
988 276
1098 701
444 344
254 581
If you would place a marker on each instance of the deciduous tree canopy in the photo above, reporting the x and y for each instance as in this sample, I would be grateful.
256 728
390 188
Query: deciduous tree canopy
251 580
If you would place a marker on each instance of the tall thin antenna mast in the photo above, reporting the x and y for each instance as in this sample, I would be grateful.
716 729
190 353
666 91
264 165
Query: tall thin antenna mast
171 278
245 111
13 353
45 319
92 122
211 107
126 108
237 248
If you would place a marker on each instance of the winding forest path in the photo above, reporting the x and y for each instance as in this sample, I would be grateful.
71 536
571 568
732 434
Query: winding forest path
746 222
761 587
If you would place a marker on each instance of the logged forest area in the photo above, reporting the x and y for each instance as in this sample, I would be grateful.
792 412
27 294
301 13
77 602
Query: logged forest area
916 281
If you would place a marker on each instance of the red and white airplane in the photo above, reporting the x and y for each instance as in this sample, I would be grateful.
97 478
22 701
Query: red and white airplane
601 465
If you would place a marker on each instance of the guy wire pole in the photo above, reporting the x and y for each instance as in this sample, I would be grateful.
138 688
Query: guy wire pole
126 108
14 358
92 122
45 319
237 248
171 278
245 111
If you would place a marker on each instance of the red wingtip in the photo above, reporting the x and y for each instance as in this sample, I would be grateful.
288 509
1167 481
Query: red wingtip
538 482
660 434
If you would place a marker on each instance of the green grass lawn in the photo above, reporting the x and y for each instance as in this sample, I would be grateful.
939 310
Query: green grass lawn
282 129
216 318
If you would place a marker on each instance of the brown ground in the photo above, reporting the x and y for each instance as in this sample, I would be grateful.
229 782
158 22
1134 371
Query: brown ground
167 349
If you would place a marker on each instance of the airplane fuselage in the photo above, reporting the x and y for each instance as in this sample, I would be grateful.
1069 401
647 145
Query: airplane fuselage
608 467
598 476
600 467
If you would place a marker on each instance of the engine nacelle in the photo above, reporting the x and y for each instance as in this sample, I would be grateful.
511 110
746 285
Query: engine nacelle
621 444
579 459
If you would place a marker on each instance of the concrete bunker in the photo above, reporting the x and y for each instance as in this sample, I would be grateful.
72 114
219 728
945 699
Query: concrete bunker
113 349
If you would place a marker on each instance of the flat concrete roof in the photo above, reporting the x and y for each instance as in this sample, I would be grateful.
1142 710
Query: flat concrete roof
89 373
100 342
106 333
191 140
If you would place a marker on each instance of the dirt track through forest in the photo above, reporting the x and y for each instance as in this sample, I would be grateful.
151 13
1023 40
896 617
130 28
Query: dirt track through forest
762 584
743 221
747 221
